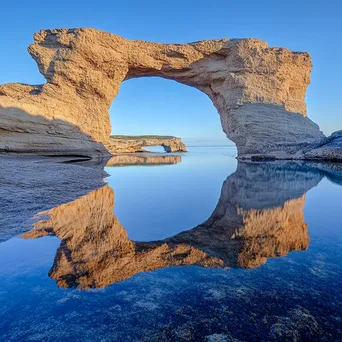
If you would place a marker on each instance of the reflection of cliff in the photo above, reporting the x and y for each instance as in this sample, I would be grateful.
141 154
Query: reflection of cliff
272 232
127 160
93 240
252 221
259 215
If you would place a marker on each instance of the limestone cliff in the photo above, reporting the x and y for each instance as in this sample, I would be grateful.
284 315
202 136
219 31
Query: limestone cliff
258 91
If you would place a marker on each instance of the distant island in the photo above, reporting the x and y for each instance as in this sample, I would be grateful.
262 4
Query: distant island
135 143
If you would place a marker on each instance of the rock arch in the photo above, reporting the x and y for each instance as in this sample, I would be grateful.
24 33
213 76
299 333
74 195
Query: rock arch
131 144
258 91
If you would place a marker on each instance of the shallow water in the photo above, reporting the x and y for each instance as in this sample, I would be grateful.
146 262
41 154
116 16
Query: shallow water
191 247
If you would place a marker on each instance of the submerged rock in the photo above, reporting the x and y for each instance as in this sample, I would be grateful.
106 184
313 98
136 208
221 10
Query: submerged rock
298 325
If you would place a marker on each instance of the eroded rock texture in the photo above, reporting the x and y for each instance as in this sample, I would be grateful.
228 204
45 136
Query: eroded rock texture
329 150
251 223
258 91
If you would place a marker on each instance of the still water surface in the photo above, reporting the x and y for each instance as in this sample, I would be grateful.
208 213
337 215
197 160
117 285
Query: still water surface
192 247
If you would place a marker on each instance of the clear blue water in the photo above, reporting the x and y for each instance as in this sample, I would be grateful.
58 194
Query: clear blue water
269 234
169 199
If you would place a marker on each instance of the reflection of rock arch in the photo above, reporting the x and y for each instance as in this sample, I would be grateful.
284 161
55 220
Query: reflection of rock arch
254 219
148 160
258 91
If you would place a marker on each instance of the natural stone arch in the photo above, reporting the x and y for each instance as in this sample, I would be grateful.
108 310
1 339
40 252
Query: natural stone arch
258 91
137 144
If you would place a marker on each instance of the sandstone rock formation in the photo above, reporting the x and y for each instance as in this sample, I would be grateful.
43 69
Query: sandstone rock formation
171 144
258 91
251 223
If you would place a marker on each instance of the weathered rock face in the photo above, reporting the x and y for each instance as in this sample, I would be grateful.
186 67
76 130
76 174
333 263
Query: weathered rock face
24 132
251 223
258 91
137 145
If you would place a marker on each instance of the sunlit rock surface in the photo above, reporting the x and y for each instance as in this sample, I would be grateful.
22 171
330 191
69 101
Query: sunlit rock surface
250 224
258 91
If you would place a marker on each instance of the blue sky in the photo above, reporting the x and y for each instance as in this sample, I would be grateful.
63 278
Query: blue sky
158 106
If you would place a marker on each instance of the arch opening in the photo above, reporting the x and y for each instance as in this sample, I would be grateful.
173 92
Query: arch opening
155 149
164 109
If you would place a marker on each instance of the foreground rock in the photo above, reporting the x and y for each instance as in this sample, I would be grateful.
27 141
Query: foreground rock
131 145
258 91
329 150
31 184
